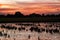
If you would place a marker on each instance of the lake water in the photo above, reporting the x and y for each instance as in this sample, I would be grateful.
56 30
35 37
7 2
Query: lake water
30 31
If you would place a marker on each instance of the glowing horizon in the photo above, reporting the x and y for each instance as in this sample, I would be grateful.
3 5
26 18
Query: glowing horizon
30 6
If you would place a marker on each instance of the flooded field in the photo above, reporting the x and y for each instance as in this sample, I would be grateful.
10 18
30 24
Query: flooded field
30 31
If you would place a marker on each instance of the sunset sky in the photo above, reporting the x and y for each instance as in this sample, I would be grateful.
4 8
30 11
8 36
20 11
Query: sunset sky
30 6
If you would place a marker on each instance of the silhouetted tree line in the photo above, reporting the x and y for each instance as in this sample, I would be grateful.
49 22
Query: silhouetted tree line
20 15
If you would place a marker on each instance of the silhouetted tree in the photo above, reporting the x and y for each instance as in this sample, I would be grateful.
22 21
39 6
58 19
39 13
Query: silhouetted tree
9 16
43 15
34 15
2 16
18 14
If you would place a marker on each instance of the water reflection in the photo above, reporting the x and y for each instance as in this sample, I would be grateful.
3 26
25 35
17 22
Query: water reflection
30 31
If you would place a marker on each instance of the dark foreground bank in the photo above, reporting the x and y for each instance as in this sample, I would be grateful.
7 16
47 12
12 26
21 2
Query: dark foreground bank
34 19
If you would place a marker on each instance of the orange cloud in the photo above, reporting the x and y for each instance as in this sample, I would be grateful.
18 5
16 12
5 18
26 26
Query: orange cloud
29 8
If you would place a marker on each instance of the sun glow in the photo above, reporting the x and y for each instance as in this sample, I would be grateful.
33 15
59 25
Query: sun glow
7 6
